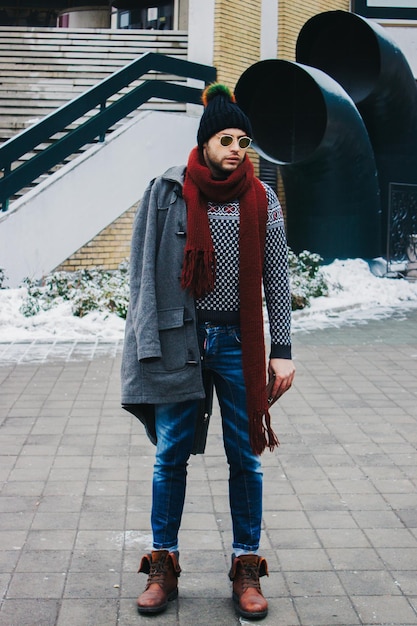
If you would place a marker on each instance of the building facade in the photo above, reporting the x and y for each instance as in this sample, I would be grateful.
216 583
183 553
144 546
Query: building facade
229 34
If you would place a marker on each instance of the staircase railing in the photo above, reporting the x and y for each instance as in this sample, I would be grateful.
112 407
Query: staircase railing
23 174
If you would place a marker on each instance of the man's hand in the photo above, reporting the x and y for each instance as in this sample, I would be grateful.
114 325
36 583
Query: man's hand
282 372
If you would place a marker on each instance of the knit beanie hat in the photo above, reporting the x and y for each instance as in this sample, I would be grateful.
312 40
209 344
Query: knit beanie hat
221 111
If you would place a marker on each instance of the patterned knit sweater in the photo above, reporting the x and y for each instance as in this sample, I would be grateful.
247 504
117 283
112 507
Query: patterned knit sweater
222 304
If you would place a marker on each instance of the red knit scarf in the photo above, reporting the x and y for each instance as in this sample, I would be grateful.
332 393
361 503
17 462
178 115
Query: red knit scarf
198 273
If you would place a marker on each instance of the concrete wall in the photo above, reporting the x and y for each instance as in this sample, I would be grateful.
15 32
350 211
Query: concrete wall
405 36
45 226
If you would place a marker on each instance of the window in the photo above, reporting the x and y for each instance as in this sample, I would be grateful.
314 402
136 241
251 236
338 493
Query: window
160 17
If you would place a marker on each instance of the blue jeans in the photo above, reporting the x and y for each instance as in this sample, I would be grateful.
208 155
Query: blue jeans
175 425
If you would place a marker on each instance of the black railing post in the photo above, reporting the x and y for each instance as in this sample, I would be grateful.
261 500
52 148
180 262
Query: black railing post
103 134
5 201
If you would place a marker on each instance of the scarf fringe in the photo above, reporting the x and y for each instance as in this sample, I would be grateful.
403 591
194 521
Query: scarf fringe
198 272
261 434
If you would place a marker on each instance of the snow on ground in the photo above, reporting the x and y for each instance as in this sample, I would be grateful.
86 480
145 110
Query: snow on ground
57 324
356 295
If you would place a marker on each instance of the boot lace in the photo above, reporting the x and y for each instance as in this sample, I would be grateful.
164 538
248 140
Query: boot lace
250 577
157 573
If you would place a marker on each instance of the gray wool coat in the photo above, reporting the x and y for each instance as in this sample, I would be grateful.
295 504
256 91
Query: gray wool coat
161 358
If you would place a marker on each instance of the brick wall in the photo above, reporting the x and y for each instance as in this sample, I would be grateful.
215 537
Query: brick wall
237 34
293 14
237 30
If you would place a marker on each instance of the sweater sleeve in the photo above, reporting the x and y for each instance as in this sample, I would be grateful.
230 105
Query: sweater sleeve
276 280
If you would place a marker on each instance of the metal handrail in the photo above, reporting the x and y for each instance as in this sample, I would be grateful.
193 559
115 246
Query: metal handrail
96 126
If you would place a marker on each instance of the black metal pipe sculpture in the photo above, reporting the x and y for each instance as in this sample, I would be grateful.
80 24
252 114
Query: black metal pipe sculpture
304 121
368 64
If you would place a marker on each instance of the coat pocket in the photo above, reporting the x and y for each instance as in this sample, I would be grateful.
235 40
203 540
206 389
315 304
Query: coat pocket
172 337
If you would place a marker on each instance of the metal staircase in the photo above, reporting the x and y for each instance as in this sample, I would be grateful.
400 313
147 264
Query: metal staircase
80 197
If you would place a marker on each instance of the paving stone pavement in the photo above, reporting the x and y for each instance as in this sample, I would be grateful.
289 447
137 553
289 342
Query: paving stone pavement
340 502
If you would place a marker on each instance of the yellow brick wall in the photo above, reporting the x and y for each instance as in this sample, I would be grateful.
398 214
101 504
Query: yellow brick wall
237 41
293 14
237 30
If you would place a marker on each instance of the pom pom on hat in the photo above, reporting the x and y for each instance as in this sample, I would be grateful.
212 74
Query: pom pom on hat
221 111
217 89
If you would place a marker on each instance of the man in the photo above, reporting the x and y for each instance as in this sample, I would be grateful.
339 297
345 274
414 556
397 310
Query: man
205 240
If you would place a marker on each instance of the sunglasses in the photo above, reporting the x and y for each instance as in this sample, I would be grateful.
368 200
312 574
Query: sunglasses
243 142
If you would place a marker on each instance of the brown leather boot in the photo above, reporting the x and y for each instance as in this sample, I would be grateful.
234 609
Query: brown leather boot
162 586
247 595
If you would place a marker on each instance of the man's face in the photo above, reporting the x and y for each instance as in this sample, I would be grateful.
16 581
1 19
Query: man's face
223 160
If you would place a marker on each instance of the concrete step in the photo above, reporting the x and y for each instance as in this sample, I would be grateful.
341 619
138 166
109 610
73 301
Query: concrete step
103 46
42 69
60 34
